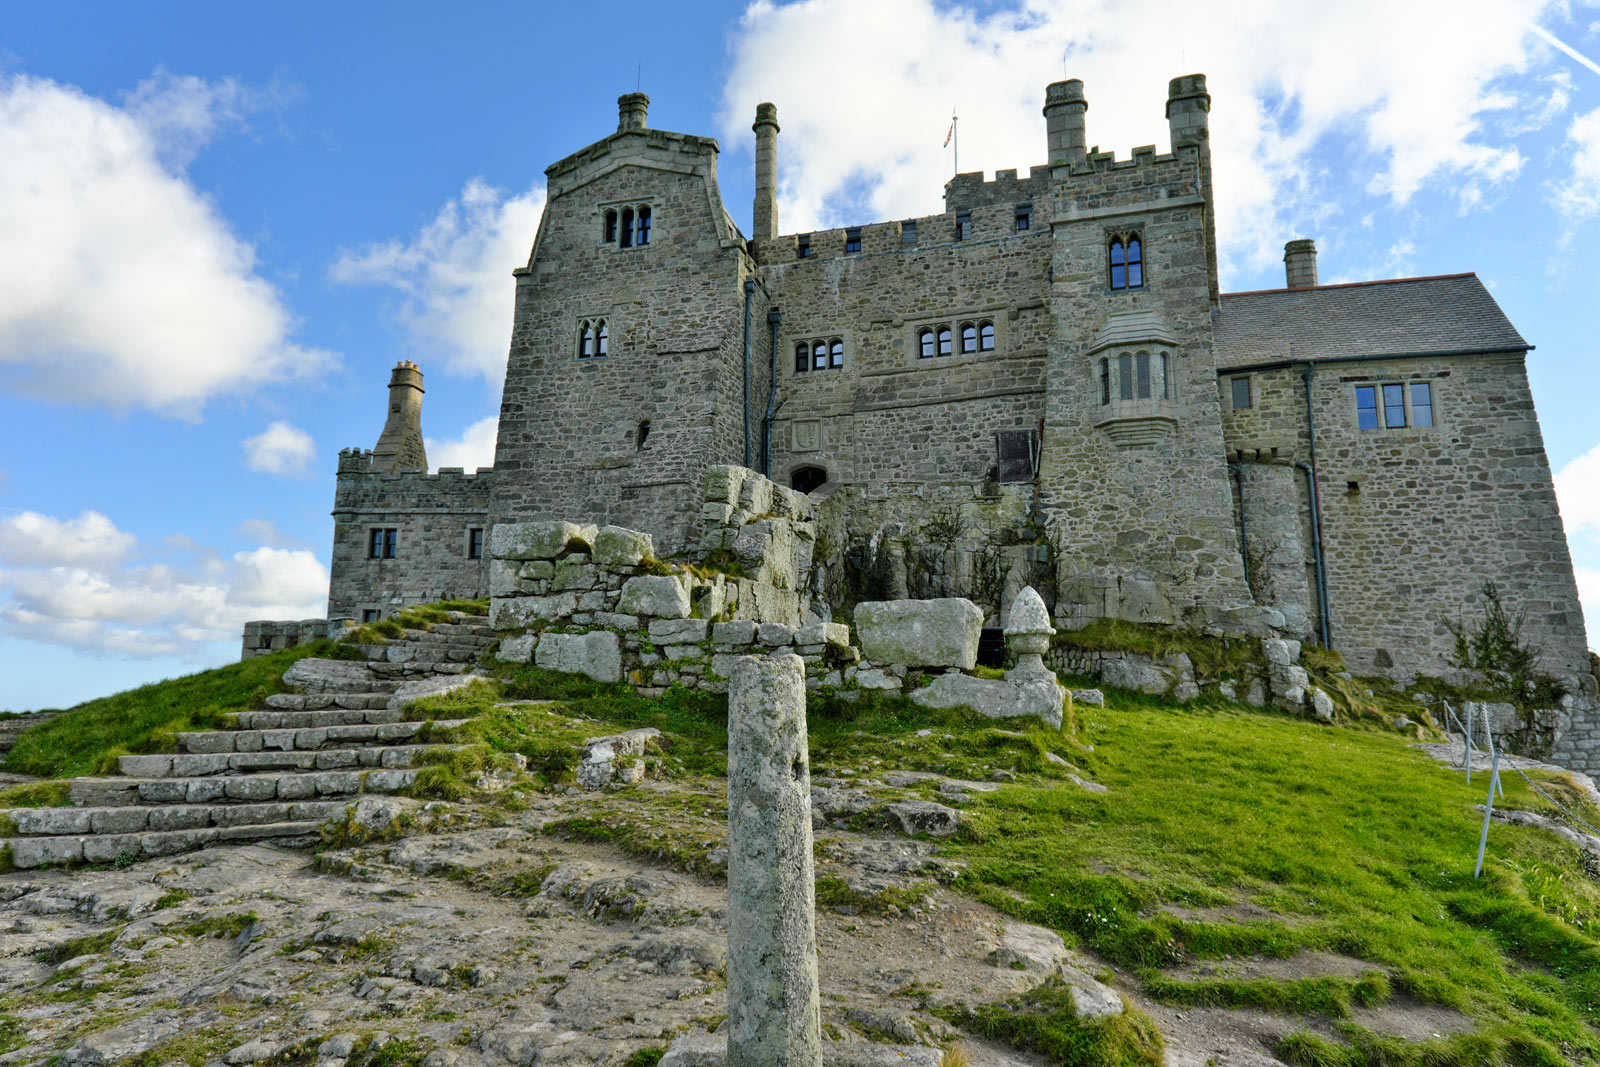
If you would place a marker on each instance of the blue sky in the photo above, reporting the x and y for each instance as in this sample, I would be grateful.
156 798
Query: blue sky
224 224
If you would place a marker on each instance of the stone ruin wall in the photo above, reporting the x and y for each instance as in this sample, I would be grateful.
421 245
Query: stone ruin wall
432 514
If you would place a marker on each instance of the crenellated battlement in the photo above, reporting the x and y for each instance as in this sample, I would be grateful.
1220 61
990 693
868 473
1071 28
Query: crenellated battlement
986 224
969 190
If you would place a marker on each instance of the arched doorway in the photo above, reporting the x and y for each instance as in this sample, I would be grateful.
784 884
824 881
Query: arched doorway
807 479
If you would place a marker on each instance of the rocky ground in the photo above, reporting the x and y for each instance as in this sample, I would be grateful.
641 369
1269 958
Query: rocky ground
554 927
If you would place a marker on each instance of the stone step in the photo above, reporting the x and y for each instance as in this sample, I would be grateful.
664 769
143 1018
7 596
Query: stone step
310 739
198 764
28 852
295 719
423 656
314 675
140 818
404 670
324 701
464 628
240 788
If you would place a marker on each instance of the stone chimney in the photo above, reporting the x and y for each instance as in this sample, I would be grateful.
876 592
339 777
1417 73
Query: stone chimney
766 212
1300 264
400 445
631 111
1067 137
1188 109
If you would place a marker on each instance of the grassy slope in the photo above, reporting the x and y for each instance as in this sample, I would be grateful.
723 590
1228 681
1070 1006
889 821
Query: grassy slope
1361 845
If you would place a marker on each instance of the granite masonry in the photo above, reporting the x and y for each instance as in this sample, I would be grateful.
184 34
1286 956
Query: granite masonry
1042 386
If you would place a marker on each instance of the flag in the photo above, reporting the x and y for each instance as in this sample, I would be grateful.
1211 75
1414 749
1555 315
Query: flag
947 136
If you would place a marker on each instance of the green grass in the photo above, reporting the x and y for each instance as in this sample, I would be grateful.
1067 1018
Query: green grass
1045 1021
85 738
37 795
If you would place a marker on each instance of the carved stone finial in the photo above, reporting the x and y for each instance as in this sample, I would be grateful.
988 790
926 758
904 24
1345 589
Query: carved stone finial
1028 628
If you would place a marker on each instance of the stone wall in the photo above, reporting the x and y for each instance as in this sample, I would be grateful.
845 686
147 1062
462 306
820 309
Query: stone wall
1415 520
264 636
432 516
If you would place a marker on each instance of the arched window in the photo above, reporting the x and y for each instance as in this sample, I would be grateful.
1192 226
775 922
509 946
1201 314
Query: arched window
802 358
1125 377
600 336
1105 381
969 337
944 340
644 225
611 227
1135 261
1119 264
836 353
819 356
1142 361
625 236
808 479
924 344
585 340
985 337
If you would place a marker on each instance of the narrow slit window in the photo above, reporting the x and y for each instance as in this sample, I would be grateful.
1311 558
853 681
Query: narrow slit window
1166 382
600 338
642 435
625 236
1105 381
852 240
802 358
1142 361
1024 217
944 340
586 341
610 234
908 233
1119 265
475 543
644 225
1421 404
969 337
1241 393
1366 407
1394 407
985 337
963 225
836 353
802 246
370 615
1135 262
1125 377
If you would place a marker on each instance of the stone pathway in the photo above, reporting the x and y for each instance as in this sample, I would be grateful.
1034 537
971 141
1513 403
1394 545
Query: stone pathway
276 774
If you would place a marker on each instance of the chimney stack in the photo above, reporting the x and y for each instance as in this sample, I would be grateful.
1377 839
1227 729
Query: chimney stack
1188 107
1067 137
766 206
631 111
1300 264
400 446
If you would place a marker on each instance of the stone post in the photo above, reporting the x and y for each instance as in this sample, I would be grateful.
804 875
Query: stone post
774 1019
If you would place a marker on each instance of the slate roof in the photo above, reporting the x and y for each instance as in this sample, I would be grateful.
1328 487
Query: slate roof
1450 313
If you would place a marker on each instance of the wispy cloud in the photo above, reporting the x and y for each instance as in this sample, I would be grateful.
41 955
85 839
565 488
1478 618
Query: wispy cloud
282 448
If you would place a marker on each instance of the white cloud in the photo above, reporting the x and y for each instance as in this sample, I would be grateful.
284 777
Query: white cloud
282 448
455 275
120 283
1578 490
473 449
1578 198
98 603
32 540
1285 78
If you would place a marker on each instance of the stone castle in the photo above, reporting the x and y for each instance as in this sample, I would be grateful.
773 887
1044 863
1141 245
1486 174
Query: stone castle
1043 385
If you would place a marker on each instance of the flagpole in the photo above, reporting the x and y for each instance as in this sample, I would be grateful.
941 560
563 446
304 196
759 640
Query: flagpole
955 143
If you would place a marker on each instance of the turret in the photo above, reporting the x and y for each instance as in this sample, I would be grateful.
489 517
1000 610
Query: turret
400 445
1189 120
1300 264
1064 108
632 109
766 205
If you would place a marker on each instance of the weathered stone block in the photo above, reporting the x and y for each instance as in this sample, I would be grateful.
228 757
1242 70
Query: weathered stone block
537 540
596 654
920 633
518 649
616 546
507 613
678 631
775 635
605 759
925 817
735 634
836 634
658 596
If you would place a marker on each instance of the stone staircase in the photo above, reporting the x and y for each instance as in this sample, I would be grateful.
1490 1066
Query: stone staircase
275 774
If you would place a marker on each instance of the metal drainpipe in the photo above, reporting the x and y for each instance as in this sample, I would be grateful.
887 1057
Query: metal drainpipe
749 295
1316 514
1244 542
774 317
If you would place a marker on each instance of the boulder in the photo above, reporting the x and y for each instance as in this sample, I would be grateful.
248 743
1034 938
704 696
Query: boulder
608 758
597 654
1020 694
925 817
663 597
536 540
920 633
616 546
518 649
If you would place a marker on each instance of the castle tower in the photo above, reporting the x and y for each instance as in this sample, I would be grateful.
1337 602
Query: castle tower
400 445
766 206
1189 122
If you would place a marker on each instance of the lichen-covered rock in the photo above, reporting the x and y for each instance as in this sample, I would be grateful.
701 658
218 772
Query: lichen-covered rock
920 633
1093 698
678 631
537 540
1321 705
1025 695
925 817
409 693
518 649
613 757
597 654
617 546
658 596
507 613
